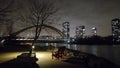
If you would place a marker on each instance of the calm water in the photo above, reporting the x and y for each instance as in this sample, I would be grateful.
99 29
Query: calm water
111 53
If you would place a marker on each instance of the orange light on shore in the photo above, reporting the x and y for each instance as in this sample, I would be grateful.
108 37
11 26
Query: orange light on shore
43 55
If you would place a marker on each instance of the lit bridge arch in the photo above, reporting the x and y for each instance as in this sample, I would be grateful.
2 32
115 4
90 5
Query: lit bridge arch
44 25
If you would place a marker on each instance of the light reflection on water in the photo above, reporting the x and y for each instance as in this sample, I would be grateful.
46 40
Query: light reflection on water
111 53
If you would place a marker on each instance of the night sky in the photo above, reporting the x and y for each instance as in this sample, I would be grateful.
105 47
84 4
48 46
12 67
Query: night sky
90 13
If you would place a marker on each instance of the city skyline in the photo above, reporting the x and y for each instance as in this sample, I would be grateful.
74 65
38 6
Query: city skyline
88 13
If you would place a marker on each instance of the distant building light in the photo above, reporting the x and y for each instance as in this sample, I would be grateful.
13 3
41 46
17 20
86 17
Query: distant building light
113 34
73 39
68 41
93 28
83 29
118 36
118 40
2 41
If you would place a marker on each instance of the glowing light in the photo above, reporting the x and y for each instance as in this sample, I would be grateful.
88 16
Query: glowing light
2 41
93 28
73 39
38 55
33 47
43 56
83 29
68 40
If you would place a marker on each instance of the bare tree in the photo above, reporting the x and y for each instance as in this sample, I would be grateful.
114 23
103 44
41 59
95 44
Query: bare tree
6 10
38 13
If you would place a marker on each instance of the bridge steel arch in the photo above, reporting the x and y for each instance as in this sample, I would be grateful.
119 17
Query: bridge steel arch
44 25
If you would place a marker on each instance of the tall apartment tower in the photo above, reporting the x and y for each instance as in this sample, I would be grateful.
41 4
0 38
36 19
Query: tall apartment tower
116 29
66 29
80 31
94 31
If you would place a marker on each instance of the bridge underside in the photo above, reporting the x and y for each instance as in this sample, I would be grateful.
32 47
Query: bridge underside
43 41
29 42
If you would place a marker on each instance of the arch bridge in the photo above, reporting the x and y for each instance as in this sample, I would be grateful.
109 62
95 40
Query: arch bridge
44 25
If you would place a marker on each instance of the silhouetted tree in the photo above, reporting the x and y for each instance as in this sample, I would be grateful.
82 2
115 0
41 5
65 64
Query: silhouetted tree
38 13
6 10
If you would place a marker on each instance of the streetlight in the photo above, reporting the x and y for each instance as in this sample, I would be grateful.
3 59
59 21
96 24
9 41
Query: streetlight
33 47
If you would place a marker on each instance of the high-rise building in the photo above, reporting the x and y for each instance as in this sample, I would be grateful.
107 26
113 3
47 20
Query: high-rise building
66 29
94 31
80 31
116 29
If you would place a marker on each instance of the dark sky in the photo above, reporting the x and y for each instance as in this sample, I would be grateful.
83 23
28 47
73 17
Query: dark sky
91 13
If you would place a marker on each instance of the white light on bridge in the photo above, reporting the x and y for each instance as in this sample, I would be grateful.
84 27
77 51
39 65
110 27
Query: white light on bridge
24 39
